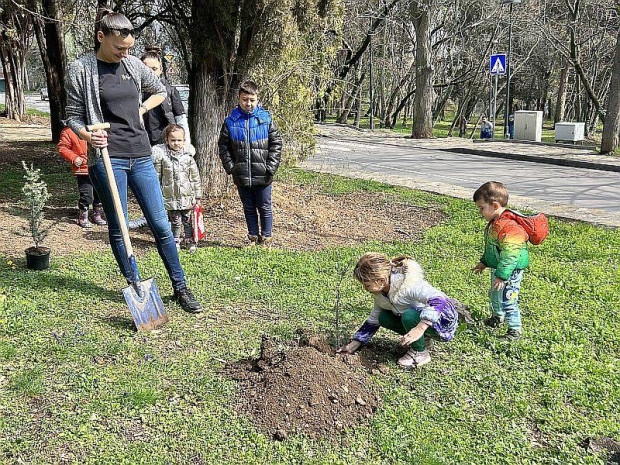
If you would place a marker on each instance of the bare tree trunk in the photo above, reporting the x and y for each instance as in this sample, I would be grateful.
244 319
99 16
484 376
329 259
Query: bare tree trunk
14 99
15 30
390 114
343 105
474 81
213 75
611 126
358 107
578 100
404 103
442 103
353 58
576 61
51 43
560 106
208 113
352 99
423 100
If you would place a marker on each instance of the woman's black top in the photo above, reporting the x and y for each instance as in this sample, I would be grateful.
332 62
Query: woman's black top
120 103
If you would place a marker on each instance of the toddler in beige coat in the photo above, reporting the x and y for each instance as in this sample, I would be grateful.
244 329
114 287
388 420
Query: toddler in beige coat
180 182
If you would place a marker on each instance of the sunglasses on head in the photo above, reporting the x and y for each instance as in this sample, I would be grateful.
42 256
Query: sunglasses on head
123 32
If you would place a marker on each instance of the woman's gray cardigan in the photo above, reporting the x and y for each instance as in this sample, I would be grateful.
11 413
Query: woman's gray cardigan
82 86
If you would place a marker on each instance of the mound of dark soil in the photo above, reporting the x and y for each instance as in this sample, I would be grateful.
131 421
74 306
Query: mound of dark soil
302 390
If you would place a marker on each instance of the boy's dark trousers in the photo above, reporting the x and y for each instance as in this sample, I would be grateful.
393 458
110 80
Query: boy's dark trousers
256 202
88 195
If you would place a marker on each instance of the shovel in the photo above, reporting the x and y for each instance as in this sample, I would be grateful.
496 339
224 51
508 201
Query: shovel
142 297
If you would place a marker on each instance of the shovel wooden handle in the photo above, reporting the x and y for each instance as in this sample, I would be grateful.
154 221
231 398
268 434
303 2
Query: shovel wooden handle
118 207
97 127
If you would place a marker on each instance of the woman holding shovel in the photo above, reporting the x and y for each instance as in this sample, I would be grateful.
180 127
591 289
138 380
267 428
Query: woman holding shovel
106 87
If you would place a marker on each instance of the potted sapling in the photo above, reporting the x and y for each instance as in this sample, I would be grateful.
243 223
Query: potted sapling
35 198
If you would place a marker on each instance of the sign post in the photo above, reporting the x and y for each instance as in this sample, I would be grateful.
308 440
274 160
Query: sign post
509 64
497 67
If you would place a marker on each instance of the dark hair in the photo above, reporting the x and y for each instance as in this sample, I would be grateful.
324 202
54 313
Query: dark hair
248 87
492 191
110 22
150 53
171 128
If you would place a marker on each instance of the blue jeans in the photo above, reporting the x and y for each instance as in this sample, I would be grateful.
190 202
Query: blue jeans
505 302
256 201
139 175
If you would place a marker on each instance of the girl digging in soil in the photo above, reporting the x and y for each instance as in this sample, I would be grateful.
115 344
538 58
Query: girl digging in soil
404 302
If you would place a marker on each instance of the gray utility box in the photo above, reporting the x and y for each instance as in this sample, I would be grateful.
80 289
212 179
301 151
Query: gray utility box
572 132
528 125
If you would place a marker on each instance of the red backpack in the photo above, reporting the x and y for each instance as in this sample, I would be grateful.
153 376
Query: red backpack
536 226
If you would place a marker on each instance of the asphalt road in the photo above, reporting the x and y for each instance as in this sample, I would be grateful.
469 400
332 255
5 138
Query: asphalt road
577 193
33 101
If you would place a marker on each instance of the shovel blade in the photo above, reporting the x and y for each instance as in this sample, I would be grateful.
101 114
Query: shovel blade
146 307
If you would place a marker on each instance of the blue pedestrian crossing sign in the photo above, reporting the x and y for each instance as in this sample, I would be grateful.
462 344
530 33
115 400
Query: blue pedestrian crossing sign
498 64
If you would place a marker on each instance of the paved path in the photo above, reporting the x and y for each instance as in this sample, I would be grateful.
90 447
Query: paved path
456 167
573 192
24 132
33 101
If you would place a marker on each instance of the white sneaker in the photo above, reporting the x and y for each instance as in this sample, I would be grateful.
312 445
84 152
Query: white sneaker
414 358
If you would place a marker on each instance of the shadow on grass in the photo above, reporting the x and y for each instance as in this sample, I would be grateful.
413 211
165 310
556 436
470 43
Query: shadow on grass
56 215
148 242
49 280
119 322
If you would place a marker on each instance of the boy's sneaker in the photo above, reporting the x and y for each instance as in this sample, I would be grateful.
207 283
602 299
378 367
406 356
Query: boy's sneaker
266 241
253 240
187 301
413 358
513 334
493 322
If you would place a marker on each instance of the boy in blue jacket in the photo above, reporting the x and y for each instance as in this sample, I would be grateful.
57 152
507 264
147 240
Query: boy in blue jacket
250 148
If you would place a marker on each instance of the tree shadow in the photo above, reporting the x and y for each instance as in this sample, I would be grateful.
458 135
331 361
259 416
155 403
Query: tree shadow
36 152
219 244
56 215
120 323
51 281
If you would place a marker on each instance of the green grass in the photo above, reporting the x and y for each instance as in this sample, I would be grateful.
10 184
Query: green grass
29 111
54 171
78 384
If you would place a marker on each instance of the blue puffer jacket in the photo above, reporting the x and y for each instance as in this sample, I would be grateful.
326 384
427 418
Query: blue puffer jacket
250 147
